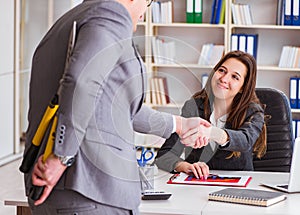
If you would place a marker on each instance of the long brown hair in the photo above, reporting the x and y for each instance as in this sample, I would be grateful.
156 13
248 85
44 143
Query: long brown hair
241 102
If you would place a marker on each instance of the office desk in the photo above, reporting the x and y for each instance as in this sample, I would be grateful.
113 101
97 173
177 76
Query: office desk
192 199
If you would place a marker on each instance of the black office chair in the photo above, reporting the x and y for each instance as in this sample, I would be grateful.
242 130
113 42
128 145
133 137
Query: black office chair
280 136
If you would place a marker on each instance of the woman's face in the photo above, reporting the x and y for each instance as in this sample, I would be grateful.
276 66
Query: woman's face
228 80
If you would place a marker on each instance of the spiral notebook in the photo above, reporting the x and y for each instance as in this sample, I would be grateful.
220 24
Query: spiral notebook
247 196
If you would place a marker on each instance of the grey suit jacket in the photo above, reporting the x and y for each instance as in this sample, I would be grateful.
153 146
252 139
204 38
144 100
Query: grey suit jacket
241 140
101 92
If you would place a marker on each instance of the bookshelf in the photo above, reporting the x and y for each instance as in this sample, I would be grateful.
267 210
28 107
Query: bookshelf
184 76
272 38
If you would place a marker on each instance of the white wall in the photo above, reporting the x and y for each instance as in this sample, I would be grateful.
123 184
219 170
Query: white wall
6 78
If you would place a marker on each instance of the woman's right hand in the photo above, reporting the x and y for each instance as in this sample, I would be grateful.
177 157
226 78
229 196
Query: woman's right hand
199 169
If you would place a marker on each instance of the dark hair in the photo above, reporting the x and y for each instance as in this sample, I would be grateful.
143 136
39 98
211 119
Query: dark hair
241 101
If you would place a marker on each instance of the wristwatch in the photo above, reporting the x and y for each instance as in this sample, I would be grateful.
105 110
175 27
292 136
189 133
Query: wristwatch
66 160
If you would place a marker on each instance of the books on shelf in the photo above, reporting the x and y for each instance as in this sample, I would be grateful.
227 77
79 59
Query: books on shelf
241 14
213 180
194 11
218 12
163 50
247 196
290 57
162 12
296 127
294 93
210 54
288 12
159 94
245 42
204 79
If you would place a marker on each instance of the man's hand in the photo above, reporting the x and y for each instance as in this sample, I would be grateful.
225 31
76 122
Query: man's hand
193 131
199 169
197 137
47 174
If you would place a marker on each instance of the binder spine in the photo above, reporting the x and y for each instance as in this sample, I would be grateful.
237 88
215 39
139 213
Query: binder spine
189 11
288 12
198 11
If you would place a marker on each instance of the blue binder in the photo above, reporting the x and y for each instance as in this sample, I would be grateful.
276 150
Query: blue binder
218 12
288 9
294 83
252 43
296 11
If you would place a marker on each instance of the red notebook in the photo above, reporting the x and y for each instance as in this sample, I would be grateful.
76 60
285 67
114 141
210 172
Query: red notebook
213 180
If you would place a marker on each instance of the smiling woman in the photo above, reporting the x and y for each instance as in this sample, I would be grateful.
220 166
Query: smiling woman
236 115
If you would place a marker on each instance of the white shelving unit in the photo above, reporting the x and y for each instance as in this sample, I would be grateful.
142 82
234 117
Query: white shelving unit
184 77
271 39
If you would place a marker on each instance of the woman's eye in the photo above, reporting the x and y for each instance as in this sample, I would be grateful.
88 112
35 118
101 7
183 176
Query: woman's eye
235 77
221 70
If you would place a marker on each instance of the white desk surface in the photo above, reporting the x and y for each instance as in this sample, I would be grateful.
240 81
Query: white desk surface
192 199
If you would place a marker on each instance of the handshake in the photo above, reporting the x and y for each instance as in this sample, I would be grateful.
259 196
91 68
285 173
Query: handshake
196 132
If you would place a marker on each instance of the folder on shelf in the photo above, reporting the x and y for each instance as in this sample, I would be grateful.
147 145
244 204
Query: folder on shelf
283 61
213 8
297 133
243 42
294 92
189 11
280 13
204 78
155 8
296 9
234 42
294 127
198 11
288 12
222 17
252 40
218 12
298 93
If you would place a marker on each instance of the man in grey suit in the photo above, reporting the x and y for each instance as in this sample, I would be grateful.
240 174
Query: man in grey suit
93 168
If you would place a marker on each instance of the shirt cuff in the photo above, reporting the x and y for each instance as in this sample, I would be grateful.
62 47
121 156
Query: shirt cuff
225 144
174 124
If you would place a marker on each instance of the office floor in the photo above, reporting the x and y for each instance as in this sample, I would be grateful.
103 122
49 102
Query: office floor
11 180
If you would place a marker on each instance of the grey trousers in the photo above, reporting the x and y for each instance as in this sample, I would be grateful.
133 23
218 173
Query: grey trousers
68 202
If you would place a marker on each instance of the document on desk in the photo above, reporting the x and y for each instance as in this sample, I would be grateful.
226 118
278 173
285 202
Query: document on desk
212 180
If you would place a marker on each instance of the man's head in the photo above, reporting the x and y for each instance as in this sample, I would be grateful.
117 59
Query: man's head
136 9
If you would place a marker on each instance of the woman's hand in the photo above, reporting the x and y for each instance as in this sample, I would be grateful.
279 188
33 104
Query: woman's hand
197 137
199 169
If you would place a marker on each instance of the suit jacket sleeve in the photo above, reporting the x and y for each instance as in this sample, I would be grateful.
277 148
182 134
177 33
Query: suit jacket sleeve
244 138
169 154
96 51
154 122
